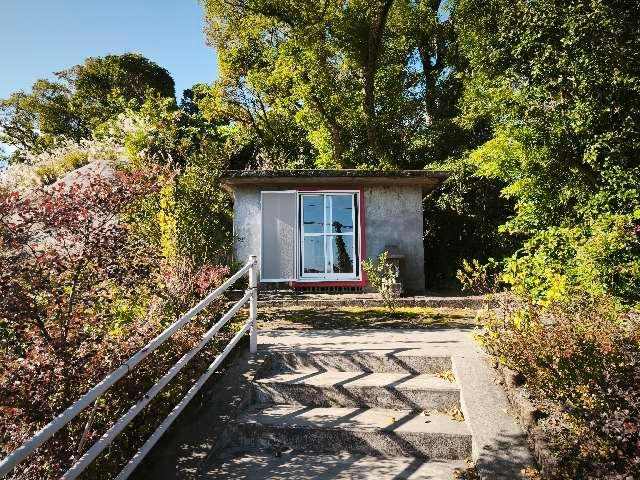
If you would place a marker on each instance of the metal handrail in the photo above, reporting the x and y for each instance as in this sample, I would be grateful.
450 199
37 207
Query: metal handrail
251 295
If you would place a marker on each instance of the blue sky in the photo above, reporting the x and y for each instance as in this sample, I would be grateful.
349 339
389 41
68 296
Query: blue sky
44 36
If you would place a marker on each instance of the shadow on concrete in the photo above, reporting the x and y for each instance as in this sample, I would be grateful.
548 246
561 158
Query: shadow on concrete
199 428
297 466
501 461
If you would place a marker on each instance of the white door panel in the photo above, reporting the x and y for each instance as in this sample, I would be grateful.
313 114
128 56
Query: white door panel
278 236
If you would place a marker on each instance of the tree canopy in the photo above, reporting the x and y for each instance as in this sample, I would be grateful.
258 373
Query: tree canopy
340 84
560 85
79 100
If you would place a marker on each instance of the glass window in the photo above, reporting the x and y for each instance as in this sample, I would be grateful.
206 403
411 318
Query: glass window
313 252
341 219
312 213
340 251
328 235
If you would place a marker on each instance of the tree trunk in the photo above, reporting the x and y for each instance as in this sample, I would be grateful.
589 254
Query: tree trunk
370 68
431 73
431 46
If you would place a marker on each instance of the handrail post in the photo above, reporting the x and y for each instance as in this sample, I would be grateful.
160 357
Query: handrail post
253 303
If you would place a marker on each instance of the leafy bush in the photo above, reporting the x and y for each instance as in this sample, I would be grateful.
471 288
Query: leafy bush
601 257
81 290
383 277
479 278
65 266
184 284
203 214
581 359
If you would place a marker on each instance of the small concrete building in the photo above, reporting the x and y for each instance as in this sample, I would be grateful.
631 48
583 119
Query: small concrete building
314 228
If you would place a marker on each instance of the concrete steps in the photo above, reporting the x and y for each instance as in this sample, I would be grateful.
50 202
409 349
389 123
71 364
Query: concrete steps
358 389
346 404
372 403
369 431
343 466
393 361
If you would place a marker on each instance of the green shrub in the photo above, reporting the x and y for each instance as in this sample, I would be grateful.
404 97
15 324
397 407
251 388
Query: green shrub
461 220
479 278
49 172
578 352
203 214
383 277
600 257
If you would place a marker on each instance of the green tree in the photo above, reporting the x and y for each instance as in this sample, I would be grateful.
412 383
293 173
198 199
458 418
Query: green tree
79 100
32 121
191 216
560 83
367 83
102 85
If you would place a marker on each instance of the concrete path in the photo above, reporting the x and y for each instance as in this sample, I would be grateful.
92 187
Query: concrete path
367 404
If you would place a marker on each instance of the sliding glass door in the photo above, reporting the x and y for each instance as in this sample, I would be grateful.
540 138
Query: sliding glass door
329 235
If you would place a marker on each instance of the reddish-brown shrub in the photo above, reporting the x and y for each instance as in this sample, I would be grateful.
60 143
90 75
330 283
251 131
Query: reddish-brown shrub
80 291
581 359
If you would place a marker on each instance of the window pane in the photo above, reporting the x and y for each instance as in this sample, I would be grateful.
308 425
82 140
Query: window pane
341 253
312 213
341 213
313 260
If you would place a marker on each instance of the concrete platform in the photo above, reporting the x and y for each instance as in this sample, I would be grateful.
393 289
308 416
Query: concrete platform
294 298
392 343
344 466
381 432
358 389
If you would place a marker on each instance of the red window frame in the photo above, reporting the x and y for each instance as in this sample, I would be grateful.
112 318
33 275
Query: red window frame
341 283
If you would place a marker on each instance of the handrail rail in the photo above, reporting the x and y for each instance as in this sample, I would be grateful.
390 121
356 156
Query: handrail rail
17 456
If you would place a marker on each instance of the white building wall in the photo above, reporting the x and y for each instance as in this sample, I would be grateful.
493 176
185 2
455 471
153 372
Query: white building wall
393 216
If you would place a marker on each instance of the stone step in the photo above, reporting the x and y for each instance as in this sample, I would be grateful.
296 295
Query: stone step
344 466
378 432
358 389
390 361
